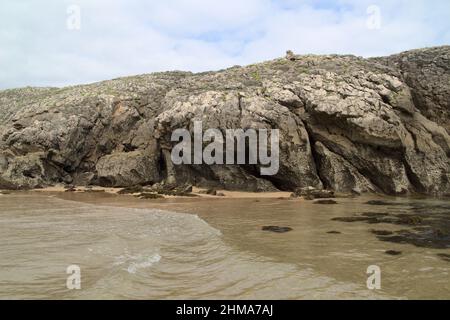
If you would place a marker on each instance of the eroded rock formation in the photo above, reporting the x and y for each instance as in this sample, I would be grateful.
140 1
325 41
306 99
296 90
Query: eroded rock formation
346 124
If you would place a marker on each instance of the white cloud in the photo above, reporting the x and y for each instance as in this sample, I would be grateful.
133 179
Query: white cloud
121 37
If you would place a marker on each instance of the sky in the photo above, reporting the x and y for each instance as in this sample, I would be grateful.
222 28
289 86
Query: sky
67 42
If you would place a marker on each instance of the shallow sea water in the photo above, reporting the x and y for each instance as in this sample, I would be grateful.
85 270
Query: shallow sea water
216 249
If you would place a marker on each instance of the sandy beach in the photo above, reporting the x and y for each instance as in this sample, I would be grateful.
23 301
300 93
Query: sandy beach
198 192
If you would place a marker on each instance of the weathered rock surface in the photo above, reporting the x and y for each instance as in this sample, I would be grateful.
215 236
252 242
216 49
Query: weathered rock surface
346 124
426 73
128 168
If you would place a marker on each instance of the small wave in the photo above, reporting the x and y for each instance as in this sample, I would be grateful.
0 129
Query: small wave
135 266
137 262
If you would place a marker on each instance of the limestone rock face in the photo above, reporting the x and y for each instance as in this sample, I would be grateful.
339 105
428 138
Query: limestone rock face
346 124
340 175
427 73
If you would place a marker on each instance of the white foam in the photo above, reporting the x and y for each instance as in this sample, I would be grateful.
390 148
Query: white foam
137 262
150 261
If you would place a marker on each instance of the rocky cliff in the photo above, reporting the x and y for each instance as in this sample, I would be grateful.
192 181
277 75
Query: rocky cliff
346 124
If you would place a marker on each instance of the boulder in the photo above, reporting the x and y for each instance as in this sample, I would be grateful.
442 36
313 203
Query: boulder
125 169
311 193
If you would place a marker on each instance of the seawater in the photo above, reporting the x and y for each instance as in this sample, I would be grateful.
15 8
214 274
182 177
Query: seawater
210 249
